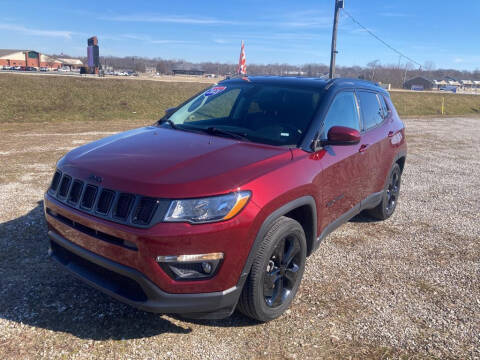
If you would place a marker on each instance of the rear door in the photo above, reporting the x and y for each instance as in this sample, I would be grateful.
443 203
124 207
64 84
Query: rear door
375 138
341 179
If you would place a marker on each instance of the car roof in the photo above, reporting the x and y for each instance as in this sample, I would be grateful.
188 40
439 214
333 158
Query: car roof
308 82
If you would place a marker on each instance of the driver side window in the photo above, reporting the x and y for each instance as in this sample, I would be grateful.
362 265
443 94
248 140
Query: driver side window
342 112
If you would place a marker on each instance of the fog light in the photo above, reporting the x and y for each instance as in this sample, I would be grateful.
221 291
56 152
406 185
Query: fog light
190 267
206 267
190 258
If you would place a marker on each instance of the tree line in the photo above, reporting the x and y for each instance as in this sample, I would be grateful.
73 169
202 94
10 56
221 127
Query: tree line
394 74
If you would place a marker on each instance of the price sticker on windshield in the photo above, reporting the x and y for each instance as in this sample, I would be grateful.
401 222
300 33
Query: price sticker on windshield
215 90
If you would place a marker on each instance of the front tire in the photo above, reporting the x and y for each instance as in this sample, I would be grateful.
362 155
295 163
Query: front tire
276 271
390 195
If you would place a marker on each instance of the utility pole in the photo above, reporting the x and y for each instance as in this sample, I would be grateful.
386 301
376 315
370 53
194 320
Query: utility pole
339 4
405 74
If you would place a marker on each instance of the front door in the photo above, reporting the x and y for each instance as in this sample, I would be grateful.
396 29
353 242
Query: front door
341 181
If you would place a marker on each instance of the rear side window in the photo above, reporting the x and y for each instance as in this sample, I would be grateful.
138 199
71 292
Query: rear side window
372 112
383 105
342 112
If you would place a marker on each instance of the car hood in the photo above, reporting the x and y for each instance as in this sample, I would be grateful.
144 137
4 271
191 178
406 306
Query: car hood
163 162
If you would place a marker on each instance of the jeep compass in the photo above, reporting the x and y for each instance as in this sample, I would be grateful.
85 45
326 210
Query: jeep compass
218 205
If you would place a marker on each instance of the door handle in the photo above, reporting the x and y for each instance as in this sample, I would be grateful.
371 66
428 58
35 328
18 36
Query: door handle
390 133
363 147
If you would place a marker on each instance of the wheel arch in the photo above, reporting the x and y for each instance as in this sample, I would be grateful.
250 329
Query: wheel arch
303 210
401 161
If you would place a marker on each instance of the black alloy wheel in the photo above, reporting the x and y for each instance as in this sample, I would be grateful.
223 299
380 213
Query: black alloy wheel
276 272
281 273
393 190
390 196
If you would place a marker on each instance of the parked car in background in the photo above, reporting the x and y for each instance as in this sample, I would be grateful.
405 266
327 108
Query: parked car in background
218 205
44 69
452 89
31 68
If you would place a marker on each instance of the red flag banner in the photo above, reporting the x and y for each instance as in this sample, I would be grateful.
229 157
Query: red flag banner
242 63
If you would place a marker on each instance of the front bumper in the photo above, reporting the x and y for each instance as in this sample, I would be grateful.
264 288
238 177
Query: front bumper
121 261
139 248
132 287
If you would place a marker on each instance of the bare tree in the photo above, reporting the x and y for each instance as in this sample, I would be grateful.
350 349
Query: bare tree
373 65
429 65
393 74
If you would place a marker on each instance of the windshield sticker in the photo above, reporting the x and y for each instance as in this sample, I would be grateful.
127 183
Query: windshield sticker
215 90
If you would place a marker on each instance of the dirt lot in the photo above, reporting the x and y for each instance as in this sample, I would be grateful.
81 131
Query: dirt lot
405 288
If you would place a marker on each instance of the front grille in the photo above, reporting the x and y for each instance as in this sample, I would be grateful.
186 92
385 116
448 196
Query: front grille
124 204
56 180
76 192
89 197
65 185
145 210
129 209
105 201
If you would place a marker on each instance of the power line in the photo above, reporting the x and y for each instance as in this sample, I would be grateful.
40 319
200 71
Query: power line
379 39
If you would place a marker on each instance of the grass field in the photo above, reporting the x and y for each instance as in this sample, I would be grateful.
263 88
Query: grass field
430 104
56 98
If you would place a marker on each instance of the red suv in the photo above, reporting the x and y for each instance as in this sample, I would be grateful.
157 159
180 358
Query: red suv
221 201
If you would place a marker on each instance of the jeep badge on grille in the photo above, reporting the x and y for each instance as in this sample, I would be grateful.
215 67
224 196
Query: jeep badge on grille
95 178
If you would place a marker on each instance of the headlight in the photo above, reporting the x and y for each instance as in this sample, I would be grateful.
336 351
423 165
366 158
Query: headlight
209 209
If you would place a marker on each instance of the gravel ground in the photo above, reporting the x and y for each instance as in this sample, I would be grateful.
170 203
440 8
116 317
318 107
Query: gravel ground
404 288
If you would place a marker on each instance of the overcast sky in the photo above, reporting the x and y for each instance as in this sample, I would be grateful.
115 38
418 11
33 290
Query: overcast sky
275 31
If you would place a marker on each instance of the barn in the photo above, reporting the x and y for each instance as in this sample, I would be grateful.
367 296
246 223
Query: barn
418 83
183 69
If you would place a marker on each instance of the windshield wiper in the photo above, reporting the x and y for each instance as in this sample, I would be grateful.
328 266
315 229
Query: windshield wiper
213 130
169 122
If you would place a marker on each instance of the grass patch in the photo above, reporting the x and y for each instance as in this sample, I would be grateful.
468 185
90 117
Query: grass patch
426 104
25 98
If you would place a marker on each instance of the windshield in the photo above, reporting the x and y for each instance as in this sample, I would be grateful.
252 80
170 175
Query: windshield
275 115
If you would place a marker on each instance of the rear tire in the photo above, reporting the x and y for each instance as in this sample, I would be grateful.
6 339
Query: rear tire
390 195
276 271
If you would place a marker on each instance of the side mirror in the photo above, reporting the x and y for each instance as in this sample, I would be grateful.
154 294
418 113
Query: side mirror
170 111
342 135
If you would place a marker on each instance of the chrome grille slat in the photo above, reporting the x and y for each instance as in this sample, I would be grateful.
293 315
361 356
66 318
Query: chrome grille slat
144 210
123 205
56 181
75 192
89 197
65 186
105 201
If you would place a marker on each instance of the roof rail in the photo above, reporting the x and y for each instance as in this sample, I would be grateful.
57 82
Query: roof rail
332 81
